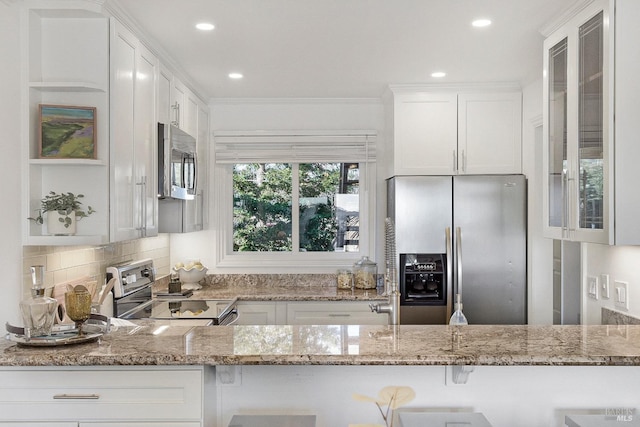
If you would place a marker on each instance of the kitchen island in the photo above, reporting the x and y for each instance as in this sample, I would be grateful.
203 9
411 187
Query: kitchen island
514 375
167 343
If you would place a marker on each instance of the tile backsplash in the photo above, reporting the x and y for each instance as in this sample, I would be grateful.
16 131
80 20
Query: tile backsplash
63 263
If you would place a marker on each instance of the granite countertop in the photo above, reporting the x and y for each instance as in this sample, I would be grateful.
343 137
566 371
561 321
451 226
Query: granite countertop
286 293
170 343
275 288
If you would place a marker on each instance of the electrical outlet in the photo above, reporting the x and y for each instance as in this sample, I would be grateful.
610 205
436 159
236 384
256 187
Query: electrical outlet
604 286
621 290
592 287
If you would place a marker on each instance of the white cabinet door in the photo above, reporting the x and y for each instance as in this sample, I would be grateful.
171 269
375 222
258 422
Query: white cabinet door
39 424
333 313
128 424
447 133
191 114
123 190
165 79
204 185
425 127
489 133
146 140
133 137
578 130
105 394
258 313
178 103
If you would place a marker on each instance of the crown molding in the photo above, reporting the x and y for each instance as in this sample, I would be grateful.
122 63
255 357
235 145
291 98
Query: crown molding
115 9
564 17
296 101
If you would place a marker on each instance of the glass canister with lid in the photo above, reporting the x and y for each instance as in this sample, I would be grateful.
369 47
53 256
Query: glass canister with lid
344 279
364 273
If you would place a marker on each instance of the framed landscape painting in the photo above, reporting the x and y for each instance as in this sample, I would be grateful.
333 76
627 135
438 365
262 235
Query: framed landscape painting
67 132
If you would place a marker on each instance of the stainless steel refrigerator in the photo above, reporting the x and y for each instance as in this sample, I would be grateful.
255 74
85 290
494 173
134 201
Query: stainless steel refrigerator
478 223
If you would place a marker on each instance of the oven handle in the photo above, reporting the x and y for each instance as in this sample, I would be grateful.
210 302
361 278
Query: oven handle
447 233
233 315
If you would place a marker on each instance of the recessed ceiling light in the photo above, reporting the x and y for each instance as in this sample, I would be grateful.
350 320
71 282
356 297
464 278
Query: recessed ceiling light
479 23
438 74
235 76
205 26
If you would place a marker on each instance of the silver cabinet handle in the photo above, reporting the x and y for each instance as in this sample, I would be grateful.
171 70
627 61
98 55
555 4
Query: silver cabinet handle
76 396
143 208
176 108
455 161
339 315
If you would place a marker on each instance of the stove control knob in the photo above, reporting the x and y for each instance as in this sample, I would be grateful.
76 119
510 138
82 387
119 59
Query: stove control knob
145 272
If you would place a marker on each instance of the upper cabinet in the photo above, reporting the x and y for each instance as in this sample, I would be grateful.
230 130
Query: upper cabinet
93 94
447 132
66 149
590 150
134 184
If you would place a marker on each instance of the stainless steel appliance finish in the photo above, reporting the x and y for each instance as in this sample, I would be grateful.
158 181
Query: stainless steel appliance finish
479 223
133 298
131 277
180 204
177 163
218 312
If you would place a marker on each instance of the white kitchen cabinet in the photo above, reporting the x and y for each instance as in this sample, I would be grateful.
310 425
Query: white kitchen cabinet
589 120
103 396
165 82
63 69
203 184
261 313
134 191
333 313
437 131
490 133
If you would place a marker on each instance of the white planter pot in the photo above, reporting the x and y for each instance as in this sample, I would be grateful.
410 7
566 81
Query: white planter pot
56 224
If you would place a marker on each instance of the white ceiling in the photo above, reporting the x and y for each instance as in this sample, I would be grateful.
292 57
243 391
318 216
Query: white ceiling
345 48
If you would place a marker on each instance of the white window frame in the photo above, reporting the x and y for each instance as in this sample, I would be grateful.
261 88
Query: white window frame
292 147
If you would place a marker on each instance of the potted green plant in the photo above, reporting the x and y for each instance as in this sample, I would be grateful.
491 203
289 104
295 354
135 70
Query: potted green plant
63 210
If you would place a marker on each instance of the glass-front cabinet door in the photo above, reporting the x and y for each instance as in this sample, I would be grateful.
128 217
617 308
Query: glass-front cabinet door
576 116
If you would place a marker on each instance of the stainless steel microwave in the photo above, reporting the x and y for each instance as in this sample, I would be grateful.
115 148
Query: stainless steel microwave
177 163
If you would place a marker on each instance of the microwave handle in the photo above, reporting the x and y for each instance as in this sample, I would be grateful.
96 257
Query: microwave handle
195 174
185 171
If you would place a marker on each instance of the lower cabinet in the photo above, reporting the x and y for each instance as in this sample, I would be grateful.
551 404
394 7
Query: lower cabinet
261 313
102 397
333 313
308 313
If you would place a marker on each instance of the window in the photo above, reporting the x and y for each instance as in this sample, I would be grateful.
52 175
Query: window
292 200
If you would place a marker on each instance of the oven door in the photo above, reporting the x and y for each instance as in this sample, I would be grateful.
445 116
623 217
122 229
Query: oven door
136 305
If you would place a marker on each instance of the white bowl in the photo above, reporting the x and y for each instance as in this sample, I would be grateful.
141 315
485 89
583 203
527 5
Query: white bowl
191 277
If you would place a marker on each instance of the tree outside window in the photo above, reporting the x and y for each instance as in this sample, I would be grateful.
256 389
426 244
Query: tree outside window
296 207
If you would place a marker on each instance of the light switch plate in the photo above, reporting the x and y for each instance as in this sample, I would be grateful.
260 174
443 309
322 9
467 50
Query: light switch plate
604 286
621 290
592 287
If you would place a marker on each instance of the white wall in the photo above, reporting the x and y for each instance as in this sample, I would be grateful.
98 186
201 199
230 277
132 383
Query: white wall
283 114
620 263
10 173
539 250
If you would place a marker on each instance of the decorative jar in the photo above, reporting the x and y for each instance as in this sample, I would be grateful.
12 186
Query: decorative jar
364 273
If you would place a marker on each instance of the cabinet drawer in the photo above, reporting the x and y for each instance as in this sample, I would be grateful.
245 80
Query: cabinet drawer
101 394
333 313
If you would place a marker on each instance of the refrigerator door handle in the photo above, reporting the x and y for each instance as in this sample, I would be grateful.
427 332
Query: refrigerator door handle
447 233
459 261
